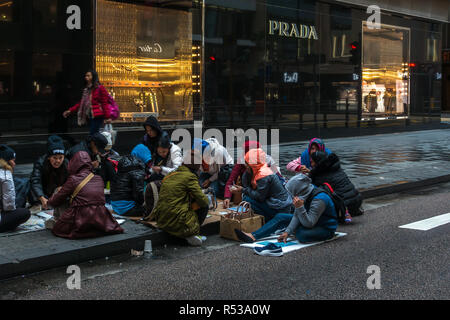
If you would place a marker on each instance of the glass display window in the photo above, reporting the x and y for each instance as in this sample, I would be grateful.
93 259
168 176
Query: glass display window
145 57
385 72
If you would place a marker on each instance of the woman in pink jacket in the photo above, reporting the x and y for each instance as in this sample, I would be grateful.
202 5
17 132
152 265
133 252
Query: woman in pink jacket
303 164
94 106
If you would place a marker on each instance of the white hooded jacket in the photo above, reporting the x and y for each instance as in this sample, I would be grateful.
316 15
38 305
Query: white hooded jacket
216 156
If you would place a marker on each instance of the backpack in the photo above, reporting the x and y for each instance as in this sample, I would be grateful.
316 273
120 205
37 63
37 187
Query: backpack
338 202
114 108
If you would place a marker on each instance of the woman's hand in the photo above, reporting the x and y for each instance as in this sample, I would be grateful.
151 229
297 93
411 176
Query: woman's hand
304 170
108 121
283 237
206 184
236 189
226 203
157 170
44 202
66 114
298 203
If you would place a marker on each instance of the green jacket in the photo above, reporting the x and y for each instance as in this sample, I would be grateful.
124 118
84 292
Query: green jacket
174 213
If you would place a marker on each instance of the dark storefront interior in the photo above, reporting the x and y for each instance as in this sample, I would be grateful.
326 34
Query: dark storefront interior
308 67
255 78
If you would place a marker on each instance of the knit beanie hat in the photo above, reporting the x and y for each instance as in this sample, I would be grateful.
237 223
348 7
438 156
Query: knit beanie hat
142 153
6 153
55 145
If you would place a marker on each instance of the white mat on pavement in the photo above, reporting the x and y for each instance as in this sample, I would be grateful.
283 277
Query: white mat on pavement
291 245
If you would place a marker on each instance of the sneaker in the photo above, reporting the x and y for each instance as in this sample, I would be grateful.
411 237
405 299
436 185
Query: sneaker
271 250
348 218
195 241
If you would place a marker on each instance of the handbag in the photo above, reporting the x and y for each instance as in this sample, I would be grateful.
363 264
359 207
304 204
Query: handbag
243 219
81 186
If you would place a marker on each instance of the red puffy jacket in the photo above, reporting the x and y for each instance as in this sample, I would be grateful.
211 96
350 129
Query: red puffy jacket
100 105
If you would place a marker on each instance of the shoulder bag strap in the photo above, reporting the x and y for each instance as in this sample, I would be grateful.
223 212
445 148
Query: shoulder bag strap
81 186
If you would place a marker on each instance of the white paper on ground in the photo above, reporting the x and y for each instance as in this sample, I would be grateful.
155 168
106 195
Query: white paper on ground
291 245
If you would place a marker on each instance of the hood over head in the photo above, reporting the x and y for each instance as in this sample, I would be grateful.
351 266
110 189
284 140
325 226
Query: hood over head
154 123
142 153
317 142
300 186
256 159
81 160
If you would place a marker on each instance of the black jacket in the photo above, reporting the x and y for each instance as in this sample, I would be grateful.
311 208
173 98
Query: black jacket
106 168
329 171
128 184
152 143
45 179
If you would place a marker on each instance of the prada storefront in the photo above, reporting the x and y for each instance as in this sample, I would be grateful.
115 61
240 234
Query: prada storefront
305 66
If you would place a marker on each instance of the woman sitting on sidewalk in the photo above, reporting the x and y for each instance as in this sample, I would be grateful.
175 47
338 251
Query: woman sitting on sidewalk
49 172
215 159
239 170
327 169
262 188
167 159
314 219
10 216
303 164
182 206
87 216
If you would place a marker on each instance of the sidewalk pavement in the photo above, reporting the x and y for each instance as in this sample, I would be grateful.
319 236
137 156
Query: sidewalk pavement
377 165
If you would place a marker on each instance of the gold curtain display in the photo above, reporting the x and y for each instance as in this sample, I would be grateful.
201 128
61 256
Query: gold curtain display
144 57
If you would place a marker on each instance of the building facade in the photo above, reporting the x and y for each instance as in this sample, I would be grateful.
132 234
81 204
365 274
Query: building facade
306 67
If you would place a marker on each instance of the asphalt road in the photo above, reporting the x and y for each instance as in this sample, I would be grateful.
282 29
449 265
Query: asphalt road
413 264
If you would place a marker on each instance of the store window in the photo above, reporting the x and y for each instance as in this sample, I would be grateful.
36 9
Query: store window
145 57
45 12
385 72
6 10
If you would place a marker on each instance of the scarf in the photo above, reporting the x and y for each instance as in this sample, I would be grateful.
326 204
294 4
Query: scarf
256 159
85 110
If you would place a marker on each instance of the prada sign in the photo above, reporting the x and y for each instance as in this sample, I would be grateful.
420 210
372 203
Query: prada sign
292 30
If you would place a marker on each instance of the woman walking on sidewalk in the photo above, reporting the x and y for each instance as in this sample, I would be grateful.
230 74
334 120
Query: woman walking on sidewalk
10 216
94 107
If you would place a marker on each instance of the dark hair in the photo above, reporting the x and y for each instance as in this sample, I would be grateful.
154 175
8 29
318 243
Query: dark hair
95 78
164 142
319 156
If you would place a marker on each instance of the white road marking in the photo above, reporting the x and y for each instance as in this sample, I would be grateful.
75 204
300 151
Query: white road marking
428 224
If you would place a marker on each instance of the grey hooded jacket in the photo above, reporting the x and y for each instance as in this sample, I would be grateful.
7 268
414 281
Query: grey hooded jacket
300 186
7 190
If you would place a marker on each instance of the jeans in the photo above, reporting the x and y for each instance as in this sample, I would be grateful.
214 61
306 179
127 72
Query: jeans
302 234
214 185
280 221
263 208
12 219
95 125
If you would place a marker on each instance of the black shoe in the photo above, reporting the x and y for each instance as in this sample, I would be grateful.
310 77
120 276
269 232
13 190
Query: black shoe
243 237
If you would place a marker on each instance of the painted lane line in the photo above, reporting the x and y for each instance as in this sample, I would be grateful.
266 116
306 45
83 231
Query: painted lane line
427 224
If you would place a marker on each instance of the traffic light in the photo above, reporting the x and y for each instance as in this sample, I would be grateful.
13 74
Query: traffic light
355 51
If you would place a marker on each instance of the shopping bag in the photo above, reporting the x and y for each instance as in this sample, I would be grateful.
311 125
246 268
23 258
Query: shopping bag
243 219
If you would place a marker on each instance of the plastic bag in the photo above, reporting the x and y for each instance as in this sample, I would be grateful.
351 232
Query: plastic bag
109 128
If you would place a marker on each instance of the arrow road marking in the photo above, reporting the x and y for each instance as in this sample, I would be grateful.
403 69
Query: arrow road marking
428 224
